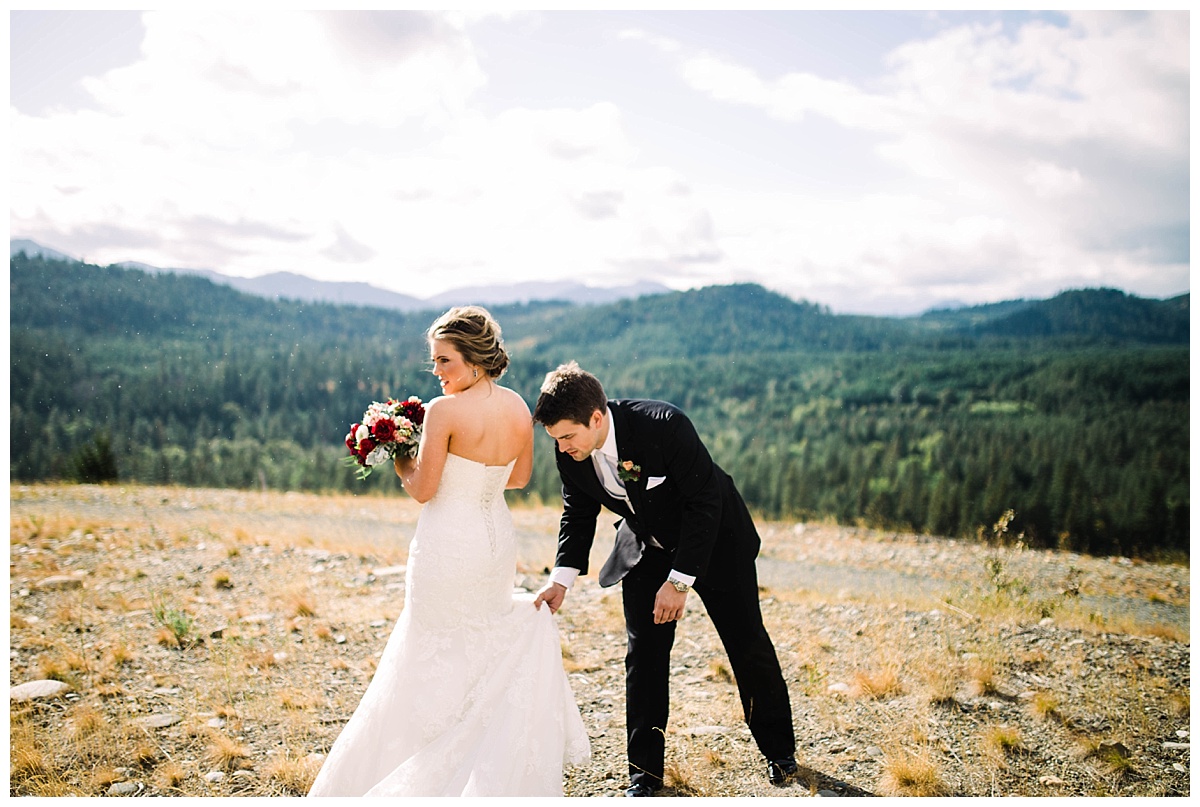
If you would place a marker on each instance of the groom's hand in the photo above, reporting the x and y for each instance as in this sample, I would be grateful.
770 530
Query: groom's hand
668 604
553 595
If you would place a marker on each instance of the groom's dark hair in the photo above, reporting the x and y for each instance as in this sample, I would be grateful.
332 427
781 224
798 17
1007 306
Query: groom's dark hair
569 393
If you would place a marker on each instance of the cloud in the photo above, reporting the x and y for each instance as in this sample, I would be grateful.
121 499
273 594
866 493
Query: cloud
792 96
1027 150
244 75
983 161
241 140
1049 180
202 130
599 204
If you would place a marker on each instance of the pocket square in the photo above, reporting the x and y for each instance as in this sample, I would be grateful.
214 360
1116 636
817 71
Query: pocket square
654 481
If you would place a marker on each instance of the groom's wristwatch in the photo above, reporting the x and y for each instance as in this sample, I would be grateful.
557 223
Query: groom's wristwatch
680 586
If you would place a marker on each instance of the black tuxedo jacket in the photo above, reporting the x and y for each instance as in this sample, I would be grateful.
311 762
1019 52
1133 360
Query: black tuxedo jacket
681 498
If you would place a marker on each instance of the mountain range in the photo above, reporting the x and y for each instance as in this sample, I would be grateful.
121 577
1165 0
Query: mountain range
1071 411
291 286
718 316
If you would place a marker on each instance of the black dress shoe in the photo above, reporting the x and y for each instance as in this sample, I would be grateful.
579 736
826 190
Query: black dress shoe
782 771
639 789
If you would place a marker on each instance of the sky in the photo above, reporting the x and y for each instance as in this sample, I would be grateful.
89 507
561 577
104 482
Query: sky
874 162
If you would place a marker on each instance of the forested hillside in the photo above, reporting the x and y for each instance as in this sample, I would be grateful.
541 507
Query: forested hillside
1072 411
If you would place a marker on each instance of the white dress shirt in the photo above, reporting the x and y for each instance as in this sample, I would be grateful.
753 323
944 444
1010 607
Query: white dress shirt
565 575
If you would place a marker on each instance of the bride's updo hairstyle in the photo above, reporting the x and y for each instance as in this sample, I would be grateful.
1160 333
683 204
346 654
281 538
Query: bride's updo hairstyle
474 334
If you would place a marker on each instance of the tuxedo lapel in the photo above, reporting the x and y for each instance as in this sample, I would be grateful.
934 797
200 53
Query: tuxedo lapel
585 477
627 450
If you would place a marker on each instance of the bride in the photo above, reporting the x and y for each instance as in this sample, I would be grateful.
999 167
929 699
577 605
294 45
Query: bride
470 697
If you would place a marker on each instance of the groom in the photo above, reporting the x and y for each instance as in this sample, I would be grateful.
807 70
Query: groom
684 526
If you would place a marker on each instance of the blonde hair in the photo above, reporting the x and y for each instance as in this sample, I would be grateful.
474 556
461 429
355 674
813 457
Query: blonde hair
475 334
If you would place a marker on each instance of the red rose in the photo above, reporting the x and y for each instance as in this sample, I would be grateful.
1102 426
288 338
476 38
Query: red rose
350 439
414 411
384 430
366 447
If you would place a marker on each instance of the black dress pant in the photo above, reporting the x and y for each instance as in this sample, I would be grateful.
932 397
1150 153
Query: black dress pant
735 613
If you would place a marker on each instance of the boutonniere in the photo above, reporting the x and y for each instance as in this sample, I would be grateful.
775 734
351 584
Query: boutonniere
628 472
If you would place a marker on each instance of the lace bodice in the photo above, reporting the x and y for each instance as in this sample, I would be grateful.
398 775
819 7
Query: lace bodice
462 560
467 485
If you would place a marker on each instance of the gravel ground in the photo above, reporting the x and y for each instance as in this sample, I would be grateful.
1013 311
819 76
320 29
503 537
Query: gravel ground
913 669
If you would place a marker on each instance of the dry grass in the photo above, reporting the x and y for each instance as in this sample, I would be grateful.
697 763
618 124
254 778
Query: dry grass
941 677
1180 704
912 772
170 776
86 721
718 670
1114 757
226 753
278 683
682 778
1080 618
53 667
97 745
981 675
145 754
294 775
570 662
26 758
297 701
1001 742
1045 705
690 768
879 683
612 613
259 659
102 778
299 603
1169 632
118 653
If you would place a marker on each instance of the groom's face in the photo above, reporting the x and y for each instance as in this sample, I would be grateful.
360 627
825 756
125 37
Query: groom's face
579 440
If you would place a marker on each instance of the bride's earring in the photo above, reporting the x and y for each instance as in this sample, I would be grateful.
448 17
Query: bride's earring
477 372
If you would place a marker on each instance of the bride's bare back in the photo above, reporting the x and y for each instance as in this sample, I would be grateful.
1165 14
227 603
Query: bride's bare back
491 426
486 423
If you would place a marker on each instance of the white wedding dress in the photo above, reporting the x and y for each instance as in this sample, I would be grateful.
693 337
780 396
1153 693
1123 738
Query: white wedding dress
470 697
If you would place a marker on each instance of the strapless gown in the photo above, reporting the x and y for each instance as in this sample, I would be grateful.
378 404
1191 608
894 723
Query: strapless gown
470 697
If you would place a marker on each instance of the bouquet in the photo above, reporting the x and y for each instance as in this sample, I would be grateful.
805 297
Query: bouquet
387 429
